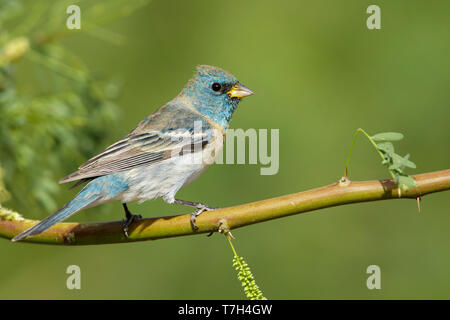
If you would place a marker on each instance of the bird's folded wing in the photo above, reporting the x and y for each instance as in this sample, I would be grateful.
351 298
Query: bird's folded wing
139 149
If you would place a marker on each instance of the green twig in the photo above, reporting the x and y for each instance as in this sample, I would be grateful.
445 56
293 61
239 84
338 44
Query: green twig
359 130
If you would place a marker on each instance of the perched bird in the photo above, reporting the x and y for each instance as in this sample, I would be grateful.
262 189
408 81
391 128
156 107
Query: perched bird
156 159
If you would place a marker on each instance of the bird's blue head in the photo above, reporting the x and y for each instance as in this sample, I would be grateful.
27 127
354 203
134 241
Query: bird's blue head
215 93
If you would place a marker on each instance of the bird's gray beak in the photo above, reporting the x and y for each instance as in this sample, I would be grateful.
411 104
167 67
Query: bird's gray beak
239 91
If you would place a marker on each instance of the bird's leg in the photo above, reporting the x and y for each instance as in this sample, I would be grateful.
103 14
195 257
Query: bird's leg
129 219
200 208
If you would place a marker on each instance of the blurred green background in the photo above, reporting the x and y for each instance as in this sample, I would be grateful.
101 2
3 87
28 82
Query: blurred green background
318 74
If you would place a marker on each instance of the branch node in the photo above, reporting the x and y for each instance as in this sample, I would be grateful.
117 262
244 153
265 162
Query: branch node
223 228
344 181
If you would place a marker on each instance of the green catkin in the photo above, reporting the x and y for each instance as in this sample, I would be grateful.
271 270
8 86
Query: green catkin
245 276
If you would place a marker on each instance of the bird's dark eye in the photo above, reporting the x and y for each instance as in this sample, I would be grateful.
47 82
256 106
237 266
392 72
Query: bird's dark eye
216 86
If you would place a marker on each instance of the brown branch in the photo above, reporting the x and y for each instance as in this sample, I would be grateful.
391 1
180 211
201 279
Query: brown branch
340 193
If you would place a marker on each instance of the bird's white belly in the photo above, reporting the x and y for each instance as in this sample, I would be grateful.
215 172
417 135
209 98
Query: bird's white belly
164 179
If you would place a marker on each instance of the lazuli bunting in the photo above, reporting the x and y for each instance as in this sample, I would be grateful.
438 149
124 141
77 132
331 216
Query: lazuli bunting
155 159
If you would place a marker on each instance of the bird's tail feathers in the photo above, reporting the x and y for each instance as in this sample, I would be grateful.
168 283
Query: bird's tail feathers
69 209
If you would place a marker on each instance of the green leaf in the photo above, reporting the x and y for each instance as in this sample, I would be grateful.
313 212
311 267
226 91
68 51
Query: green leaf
406 182
397 167
386 147
402 162
387 136
408 163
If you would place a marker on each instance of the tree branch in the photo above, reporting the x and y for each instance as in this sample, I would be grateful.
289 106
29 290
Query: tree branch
340 193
